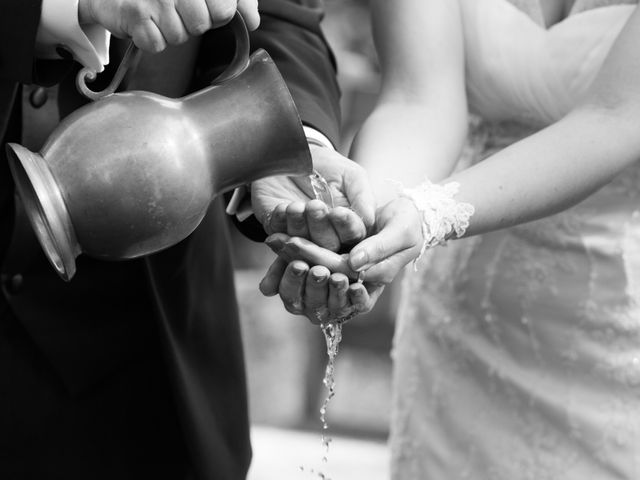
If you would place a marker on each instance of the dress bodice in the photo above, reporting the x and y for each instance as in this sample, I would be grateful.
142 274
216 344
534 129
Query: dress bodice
519 70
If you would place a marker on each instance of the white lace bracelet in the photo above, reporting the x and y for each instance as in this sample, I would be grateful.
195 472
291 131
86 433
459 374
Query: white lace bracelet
442 216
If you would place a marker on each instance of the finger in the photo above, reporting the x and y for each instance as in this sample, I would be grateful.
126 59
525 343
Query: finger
393 238
338 301
316 293
359 298
321 231
312 254
280 244
278 220
270 284
147 36
348 225
171 26
292 285
221 11
296 220
384 272
249 11
374 294
360 194
277 242
195 16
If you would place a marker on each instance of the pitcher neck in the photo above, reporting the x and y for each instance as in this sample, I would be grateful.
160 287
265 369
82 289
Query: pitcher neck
250 127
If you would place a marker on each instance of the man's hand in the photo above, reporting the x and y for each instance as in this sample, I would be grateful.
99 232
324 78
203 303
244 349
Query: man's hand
314 281
287 205
154 24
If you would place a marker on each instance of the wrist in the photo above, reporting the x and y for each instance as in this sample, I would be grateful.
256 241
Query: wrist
441 216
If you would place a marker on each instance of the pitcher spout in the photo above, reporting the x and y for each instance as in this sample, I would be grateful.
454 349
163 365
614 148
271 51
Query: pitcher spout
48 213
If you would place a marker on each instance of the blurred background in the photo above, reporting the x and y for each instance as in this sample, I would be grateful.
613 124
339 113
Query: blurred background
286 355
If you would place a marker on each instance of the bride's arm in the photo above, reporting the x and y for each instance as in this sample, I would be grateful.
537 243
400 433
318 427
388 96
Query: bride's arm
418 125
546 172
566 162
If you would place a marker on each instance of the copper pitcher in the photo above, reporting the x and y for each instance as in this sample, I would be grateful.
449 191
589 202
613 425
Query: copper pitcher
133 173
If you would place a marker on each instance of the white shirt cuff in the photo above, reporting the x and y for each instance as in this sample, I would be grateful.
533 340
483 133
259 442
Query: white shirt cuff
317 137
59 27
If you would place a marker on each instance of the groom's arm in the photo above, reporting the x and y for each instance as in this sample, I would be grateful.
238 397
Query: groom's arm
290 32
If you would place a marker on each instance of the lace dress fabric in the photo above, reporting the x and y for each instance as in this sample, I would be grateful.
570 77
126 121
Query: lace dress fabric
517 353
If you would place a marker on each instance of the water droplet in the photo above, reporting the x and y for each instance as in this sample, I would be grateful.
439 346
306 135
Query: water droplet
321 189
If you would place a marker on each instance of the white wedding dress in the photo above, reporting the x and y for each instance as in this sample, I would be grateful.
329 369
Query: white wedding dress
517 353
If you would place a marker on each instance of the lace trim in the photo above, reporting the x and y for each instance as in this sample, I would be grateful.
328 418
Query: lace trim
442 216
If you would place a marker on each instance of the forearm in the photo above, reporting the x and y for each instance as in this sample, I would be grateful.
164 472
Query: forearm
419 124
551 170
564 163
408 143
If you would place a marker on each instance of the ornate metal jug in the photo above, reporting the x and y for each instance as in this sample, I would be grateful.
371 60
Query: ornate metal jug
133 173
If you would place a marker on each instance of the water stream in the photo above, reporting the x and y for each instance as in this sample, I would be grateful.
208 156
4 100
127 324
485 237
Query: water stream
332 331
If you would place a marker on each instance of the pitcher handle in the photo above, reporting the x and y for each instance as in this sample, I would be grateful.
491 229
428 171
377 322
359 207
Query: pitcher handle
240 59
238 64
131 57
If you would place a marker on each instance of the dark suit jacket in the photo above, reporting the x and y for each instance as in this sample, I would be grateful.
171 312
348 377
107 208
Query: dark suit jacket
134 369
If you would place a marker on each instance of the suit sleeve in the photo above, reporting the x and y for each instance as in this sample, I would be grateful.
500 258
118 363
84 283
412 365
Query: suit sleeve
19 21
290 32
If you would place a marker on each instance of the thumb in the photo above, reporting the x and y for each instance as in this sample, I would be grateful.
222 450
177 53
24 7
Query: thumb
397 232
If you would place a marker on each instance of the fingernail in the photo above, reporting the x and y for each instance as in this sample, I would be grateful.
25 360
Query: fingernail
339 287
274 244
298 270
356 295
358 259
318 277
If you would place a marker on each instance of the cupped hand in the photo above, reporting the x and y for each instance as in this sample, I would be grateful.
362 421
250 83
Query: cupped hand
398 240
315 292
289 205
154 24
375 262
316 282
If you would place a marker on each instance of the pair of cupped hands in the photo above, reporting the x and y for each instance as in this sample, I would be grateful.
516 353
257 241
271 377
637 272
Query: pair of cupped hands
333 262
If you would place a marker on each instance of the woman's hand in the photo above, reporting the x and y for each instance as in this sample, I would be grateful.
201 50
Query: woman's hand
398 241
